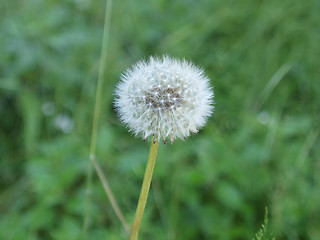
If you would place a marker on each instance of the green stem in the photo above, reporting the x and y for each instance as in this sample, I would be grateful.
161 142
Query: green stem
86 206
101 77
110 195
96 114
144 190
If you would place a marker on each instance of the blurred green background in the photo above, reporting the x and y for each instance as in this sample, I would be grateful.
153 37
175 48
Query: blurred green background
260 149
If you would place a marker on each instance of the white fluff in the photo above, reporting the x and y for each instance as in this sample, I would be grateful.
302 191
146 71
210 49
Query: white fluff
165 98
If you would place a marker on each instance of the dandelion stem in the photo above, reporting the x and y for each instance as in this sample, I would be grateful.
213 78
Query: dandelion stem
144 190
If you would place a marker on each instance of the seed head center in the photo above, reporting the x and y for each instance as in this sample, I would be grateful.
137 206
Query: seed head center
164 98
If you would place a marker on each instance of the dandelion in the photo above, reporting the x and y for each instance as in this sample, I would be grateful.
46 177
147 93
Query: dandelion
64 123
165 99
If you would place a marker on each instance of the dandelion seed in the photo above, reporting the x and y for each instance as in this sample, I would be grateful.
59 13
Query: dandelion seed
175 98
64 123
48 108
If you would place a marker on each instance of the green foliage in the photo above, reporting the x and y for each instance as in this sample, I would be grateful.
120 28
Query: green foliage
259 148
262 234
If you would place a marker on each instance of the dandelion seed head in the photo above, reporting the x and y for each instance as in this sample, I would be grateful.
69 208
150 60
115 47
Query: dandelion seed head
165 98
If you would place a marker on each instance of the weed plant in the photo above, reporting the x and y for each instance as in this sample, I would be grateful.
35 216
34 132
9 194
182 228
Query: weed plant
260 148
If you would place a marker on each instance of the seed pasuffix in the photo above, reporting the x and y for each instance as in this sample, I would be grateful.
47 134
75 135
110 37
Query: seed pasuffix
164 98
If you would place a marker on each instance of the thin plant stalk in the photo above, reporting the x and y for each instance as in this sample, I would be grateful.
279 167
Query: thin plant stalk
144 190
86 206
97 107
110 195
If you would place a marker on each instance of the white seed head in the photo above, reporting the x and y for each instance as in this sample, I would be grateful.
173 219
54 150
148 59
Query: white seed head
165 98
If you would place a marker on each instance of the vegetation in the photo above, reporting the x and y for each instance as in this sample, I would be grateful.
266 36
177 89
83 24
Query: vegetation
259 149
262 234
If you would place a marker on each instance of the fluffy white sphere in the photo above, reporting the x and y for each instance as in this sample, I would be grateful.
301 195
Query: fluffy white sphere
165 98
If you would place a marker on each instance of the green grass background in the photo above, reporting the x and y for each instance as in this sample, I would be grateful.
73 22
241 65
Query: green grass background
260 148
